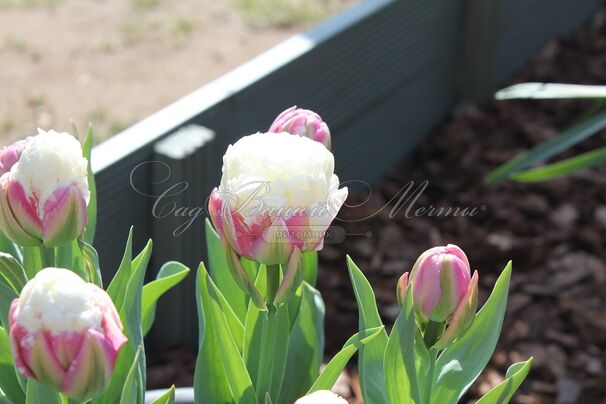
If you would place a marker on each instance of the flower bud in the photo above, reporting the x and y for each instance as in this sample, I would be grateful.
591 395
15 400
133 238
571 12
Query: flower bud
44 195
302 122
9 155
321 397
65 333
444 291
277 193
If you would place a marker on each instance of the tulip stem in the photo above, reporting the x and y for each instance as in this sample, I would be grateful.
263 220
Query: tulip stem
433 356
273 282
47 256
268 334
433 331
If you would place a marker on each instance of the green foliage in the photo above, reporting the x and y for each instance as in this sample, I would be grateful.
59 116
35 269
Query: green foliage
587 127
370 362
336 365
400 366
503 392
170 274
460 364
562 168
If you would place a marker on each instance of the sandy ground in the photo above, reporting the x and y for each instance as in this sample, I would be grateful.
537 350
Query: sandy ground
112 62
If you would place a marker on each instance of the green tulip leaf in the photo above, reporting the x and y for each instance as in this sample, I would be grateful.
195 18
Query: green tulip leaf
117 286
502 392
9 383
562 168
91 259
336 365
166 398
130 392
400 363
8 247
130 313
305 345
219 271
550 91
370 358
7 295
460 364
12 273
221 375
89 233
169 275
568 138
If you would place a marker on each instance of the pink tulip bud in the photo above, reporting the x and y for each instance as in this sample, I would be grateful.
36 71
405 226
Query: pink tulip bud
277 193
43 198
9 155
303 122
443 290
65 333
321 397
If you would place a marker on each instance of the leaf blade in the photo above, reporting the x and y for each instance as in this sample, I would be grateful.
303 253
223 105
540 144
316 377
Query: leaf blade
562 168
502 392
461 362
336 365
370 358
568 138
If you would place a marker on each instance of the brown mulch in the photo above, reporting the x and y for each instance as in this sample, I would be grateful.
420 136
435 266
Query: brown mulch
555 233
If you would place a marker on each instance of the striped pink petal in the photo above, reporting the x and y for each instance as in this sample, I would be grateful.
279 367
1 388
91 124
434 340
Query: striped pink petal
90 372
18 217
65 215
463 315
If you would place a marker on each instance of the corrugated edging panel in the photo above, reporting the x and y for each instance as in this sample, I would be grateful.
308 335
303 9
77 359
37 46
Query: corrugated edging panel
501 35
528 24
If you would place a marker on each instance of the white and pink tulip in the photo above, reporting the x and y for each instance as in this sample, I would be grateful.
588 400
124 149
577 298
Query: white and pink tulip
321 397
43 190
65 333
277 193
302 122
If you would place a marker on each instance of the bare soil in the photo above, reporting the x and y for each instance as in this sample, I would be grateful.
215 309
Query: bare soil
113 62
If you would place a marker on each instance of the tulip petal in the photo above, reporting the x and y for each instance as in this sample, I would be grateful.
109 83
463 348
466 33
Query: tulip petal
242 279
65 216
402 288
66 346
18 333
293 276
456 250
38 355
90 372
215 210
273 246
463 315
113 333
454 283
15 226
426 291
23 209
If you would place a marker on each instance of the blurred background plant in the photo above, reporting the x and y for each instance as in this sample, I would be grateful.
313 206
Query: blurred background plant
589 124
